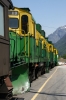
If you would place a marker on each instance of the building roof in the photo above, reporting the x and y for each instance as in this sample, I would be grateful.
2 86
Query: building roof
11 4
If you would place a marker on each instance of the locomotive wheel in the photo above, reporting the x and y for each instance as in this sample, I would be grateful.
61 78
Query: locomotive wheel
43 71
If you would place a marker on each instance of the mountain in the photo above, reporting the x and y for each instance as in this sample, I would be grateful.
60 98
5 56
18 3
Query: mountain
61 45
58 34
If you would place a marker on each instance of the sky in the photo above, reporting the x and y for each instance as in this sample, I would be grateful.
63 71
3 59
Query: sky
51 14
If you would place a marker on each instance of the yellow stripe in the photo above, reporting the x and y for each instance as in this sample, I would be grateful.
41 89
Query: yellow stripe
25 44
34 97
28 44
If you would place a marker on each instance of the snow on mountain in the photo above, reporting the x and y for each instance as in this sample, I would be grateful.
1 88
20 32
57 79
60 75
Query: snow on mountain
57 34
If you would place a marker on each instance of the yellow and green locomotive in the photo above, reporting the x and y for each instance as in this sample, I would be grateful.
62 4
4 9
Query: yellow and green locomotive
31 54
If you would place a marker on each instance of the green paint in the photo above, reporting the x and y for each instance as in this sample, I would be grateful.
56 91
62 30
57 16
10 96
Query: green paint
20 72
20 79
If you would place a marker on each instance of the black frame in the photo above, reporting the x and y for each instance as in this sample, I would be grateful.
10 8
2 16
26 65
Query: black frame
18 23
4 18
22 24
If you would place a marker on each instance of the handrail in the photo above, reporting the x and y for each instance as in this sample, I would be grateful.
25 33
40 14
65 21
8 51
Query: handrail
14 47
24 40
18 65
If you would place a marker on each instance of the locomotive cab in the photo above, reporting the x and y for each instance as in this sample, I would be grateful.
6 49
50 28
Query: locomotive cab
5 83
21 21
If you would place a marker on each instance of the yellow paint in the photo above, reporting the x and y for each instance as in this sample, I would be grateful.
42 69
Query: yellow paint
51 48
56 51
33 28
34 97
30 25
28 44
25 44
37 37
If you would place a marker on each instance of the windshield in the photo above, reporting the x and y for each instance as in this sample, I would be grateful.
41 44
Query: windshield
13 22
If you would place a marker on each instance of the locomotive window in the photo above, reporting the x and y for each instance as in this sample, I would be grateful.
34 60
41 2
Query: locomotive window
24 23
1 20
13 22
13 13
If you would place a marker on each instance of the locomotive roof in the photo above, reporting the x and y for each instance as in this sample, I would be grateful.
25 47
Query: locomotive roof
27 10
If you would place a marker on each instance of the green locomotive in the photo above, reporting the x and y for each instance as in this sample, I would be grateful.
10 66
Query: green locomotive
29 49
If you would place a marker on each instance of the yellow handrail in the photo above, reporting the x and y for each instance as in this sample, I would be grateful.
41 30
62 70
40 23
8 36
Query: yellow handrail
28 44
21 35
